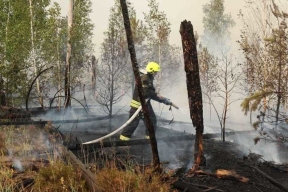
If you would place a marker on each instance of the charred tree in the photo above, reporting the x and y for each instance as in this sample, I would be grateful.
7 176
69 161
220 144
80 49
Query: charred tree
156 160
2 93
94 70
193 88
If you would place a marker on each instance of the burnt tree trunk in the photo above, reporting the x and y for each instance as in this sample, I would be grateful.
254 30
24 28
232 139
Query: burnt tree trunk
193 88
94 68
156 160
2 98
2 92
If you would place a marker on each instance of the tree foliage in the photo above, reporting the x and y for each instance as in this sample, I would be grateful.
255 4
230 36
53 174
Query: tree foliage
217 62
49 33
15 47
265 50
113 71
159 48
216 22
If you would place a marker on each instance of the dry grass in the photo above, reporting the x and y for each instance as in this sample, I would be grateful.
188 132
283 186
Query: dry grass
39 159
59 176
111 179
131 177
55 174
6 179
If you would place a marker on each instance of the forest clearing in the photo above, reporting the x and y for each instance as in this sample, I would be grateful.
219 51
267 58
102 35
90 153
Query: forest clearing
137 112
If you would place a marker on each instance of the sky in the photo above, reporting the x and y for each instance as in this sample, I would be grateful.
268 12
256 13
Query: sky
176 12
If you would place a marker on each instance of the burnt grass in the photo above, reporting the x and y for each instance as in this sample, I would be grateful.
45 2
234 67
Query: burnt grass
226 156
177 156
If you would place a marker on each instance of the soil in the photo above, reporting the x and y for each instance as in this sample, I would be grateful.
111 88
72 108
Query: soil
247 169
226 156
219 156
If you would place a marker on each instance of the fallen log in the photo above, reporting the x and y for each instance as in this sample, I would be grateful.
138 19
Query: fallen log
13 113
279 167
273 181
86 174
53 122
116 143
224 174
119 143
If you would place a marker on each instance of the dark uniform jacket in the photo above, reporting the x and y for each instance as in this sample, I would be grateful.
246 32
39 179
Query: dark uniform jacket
148 91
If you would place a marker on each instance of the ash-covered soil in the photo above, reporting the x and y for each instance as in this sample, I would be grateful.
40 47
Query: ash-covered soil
262 167
227 156
177 156
250 167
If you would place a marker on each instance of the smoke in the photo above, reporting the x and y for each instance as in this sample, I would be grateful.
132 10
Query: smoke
268 150
18 165
16 162
236 121
177 154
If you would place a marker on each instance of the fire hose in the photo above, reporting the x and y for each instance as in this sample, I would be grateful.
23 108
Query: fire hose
122 127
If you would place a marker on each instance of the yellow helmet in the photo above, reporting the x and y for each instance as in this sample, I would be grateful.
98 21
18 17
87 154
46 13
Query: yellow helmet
152 67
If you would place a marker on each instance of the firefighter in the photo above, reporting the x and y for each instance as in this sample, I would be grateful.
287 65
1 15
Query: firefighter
147 78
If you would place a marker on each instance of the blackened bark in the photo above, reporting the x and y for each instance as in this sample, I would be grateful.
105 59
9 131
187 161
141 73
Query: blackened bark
2 92
2 98
94 67
156 160
193 87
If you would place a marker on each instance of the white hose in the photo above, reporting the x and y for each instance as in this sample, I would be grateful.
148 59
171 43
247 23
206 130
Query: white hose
117 130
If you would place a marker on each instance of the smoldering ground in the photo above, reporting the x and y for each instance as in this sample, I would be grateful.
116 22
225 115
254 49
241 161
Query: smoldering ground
171 152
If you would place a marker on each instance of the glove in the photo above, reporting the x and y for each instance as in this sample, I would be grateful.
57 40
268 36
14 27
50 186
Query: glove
167 101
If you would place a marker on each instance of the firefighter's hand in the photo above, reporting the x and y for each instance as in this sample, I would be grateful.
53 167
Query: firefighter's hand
167 101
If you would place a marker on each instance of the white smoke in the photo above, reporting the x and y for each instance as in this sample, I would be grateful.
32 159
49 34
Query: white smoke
18 165
268 150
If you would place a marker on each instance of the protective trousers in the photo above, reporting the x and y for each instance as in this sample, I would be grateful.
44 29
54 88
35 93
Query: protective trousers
129 130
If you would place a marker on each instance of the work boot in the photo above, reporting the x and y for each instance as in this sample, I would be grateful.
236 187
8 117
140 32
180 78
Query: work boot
123 138
147 137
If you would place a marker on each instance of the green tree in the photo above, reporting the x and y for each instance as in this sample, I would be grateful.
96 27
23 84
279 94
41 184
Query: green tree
54 49
139 32
113 71
159 48
37 27
14 48
266 58
55 52
219 63
82 46
216 22
208 74
67 76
